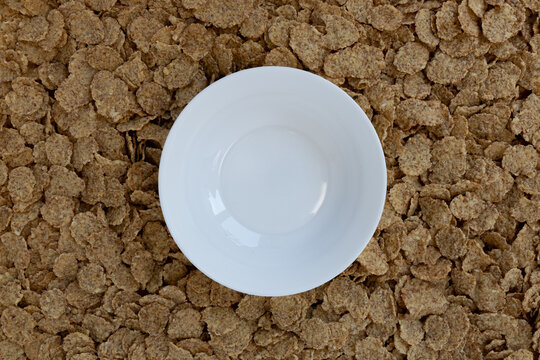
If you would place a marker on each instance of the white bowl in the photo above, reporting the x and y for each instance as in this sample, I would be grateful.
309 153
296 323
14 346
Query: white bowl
272 181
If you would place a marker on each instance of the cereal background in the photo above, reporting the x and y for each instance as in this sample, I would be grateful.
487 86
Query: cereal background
89 89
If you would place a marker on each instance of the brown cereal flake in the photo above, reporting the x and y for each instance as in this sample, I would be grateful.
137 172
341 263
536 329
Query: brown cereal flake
198 289
435 272
437 332
4 173
526 210
400 195
17 324
478 7
110 95
451 241
521 354
16 248
279 31
468 20
288 312
449 160
53 303
529 185
458 322
487 125
315 333
411 331
223 296
527 121
446 20
435 212
196 41
103 57
445 70
468 206
521 160
416 86
185 324
488 295
414 245
249 54
412 112
251 307
83 152
359 61
281 56
85 27
56 35
5 217
72 93
344 295
153 132
111 143
460 46
372 348
484 222
411 58
153 318
100 5
59 149
255 24
360 9
421 351
58 210
91 278
26 98
382 306
476 258
153 98
499 23
10 350
141 30
33 29
64 182
340 32
32 132
133 72
385 18
308 44
82 122
21 183
220 321
415 159
373 259
234 342
424 27
436 191
11 142
223 14
500 82
66 265
422 298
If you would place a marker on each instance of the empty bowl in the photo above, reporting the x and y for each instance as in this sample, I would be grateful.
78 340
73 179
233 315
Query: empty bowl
272 181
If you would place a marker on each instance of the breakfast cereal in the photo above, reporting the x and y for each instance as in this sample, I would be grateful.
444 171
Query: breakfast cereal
385 18
89 90
308 44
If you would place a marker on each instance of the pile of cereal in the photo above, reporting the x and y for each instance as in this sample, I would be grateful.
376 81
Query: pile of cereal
89 89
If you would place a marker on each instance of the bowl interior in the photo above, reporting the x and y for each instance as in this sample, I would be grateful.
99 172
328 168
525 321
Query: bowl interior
272 181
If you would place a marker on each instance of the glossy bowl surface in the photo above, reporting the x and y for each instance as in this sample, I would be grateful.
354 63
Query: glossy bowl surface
272 181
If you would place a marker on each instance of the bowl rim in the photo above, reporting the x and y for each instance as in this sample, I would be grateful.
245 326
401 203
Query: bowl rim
377 207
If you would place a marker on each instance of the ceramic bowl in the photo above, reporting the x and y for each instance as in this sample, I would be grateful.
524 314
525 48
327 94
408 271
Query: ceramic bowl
272 181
